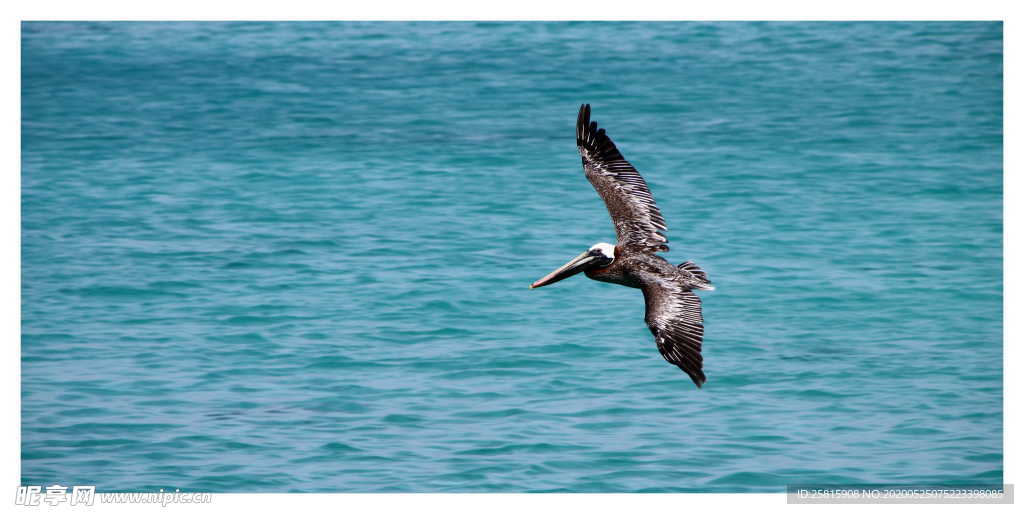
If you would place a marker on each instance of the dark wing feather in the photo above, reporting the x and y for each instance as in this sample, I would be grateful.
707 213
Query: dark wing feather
638 222
674 317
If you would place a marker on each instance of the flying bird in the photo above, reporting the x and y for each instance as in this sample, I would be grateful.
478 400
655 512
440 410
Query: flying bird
673 310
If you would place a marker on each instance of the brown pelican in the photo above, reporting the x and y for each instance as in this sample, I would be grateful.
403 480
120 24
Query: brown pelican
673 310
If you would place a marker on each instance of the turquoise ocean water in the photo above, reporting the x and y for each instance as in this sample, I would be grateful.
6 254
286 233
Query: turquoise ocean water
295 257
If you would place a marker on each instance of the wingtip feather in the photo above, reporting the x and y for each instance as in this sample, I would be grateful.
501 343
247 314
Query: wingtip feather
593 139
697 376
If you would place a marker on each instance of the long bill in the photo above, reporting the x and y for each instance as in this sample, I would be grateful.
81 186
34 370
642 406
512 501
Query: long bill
576 265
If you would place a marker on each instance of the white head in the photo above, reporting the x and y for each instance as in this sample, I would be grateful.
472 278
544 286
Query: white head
607 250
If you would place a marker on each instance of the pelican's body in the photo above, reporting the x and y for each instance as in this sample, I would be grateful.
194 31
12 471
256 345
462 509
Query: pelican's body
673 310
635 268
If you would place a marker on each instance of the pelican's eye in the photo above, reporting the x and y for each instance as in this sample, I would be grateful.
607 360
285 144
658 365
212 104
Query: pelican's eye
596 252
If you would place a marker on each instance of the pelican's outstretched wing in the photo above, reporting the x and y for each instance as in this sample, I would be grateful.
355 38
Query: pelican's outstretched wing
673 315
637 220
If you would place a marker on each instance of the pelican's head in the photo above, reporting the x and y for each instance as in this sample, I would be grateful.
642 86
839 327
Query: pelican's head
598 256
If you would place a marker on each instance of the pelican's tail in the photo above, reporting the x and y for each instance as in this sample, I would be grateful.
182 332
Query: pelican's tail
698 277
